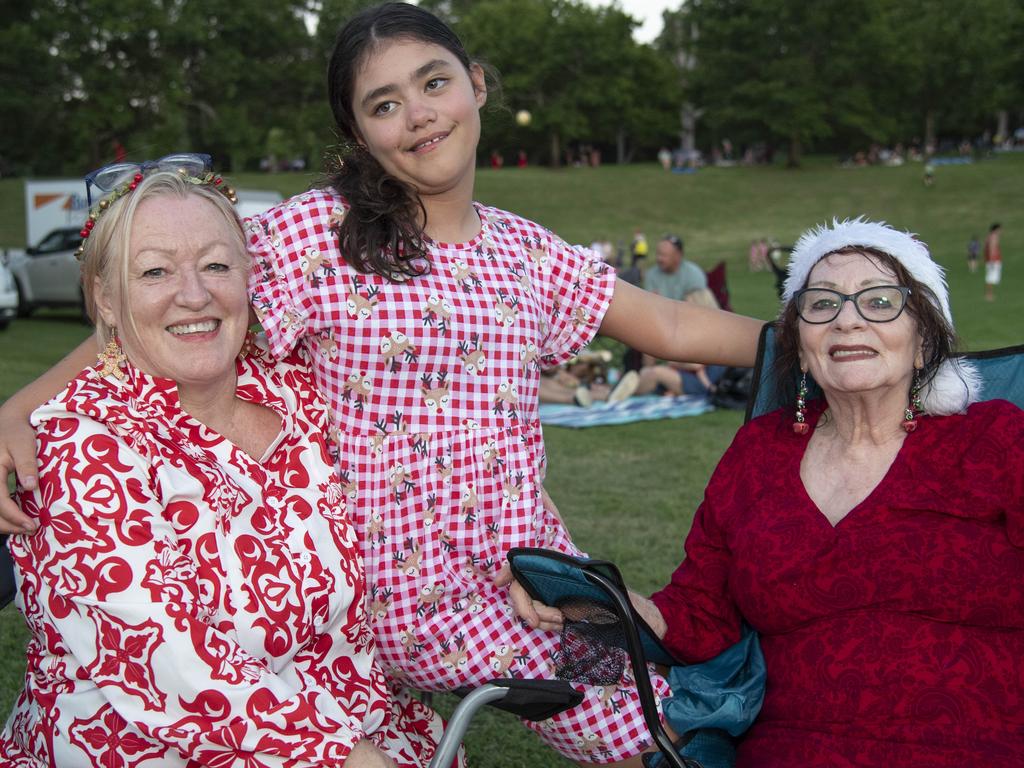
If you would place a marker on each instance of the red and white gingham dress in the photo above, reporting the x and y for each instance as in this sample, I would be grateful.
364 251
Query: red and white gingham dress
433 386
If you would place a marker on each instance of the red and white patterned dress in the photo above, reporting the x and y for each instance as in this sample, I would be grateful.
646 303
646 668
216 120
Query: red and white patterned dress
191 605
432 384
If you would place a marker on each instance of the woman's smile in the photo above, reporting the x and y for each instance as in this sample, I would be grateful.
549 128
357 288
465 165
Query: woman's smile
194 328
841 353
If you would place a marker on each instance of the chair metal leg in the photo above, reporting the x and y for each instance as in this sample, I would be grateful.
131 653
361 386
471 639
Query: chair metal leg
458 723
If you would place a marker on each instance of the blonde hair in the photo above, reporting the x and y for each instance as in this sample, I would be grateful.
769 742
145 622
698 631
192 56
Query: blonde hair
106 256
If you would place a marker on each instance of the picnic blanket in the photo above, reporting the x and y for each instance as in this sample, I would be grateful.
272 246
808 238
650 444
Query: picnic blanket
643 408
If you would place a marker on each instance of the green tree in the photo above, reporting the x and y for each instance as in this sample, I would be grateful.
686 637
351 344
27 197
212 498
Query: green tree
953 61
30 94
593 83
790 71
245 66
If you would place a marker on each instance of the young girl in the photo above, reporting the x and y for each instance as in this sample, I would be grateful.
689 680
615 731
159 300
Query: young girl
429 318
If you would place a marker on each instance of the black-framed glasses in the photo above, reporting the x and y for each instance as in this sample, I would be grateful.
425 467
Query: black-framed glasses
110 177
877 304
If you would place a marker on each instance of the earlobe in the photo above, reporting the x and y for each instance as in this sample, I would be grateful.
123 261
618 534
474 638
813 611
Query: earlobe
479 80
103 304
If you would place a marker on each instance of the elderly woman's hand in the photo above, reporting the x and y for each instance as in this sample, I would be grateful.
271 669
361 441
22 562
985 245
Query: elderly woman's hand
650 613
533 612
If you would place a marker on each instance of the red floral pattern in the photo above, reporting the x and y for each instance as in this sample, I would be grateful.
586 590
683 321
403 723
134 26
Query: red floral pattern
189 604
893 638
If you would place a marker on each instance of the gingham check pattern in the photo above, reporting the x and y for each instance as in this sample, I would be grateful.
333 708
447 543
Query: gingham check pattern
441 454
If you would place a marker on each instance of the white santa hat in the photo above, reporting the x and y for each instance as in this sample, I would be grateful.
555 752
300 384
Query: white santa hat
957 383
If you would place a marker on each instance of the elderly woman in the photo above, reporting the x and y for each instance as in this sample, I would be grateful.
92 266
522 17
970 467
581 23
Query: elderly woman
874 536
195 593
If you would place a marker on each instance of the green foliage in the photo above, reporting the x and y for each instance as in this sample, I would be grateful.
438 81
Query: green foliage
593 84
244 79
848 71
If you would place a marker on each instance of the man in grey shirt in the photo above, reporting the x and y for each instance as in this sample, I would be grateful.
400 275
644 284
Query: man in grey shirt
673 276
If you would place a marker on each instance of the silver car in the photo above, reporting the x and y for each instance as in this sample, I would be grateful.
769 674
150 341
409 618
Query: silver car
8 295
48 274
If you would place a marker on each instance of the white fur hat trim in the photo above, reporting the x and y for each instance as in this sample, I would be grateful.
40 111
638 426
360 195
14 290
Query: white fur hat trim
957 383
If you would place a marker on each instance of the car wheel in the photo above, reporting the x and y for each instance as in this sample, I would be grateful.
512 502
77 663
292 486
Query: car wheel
4 324
24 308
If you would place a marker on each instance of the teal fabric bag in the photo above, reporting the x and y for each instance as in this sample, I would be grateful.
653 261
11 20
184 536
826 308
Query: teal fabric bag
714 702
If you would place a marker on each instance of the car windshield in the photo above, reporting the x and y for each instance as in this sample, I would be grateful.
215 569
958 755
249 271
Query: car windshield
59 240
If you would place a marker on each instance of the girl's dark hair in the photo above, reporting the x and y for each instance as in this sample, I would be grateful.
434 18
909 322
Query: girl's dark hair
939 340
382 232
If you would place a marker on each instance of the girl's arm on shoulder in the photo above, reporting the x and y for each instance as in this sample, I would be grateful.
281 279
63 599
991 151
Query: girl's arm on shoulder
678 330
18 439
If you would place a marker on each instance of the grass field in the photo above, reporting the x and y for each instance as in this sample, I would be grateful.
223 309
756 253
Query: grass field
628 493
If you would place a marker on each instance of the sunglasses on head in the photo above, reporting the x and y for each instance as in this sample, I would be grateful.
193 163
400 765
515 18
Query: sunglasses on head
110 177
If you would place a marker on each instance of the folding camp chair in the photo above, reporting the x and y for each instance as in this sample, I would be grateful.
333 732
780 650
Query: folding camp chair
593 596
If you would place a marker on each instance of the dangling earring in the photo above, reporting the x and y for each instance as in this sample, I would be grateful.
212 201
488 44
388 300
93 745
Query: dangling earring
112 360
914 408
800 426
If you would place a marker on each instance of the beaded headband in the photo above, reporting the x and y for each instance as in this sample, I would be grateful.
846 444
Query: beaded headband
209 179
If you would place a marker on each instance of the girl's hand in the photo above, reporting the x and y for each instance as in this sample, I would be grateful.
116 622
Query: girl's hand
18 439
533 612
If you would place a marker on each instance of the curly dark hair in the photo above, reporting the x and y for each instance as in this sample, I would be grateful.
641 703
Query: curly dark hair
939 340
382 232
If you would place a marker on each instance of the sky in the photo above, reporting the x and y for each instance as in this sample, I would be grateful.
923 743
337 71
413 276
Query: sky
648 12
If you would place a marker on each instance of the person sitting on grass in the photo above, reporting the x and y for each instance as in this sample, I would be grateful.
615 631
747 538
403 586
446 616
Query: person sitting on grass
562 387
673 379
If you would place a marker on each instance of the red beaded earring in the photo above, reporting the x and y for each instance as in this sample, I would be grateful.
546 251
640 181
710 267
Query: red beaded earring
800 426
914 408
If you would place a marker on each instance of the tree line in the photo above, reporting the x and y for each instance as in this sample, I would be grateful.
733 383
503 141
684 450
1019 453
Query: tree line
244 79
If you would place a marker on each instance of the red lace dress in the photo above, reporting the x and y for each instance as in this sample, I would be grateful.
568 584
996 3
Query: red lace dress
895 637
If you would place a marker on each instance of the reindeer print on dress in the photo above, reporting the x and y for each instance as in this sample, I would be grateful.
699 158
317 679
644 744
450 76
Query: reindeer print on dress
316 266
397 345
472 356
438 310
436 398
464 276
506 309
507 399
433 389
358 387
454 653
327 345
358 306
